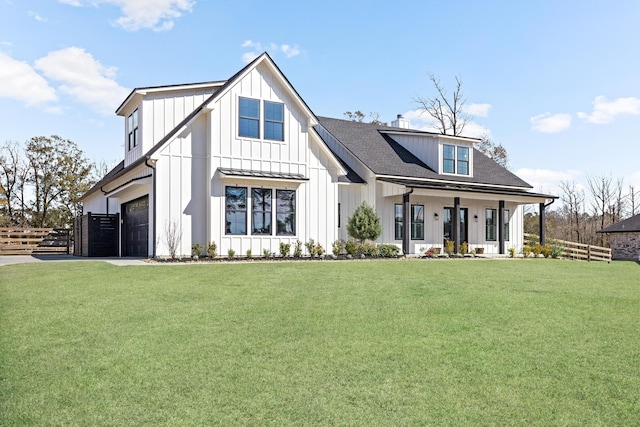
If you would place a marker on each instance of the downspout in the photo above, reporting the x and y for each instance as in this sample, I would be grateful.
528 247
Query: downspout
105 195
153 207
543 222
406 220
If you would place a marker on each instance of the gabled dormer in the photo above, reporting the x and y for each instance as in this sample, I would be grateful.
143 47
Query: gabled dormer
150 113
455 156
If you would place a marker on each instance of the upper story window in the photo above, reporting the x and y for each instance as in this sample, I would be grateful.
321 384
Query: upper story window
455 159
274 121
249 124
249 118
132 130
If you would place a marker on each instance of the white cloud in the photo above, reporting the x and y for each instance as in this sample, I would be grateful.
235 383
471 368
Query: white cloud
478 110
158 15
550 123
249 56
83 78
544 180
18 80
289 51
8 44
37 16
256 49
606 111
424 122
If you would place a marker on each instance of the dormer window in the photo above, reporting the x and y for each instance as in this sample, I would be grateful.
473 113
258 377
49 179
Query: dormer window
132 129
455 159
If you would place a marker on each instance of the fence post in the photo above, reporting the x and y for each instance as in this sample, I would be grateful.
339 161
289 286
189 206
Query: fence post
589 253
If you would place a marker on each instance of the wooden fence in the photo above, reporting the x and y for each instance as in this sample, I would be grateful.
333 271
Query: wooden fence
27 241
581 251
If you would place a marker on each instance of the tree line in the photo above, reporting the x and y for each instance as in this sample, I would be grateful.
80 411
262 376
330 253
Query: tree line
584 212
42 180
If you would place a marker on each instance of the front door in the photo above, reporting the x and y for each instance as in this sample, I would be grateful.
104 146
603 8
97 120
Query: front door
135 231
448 225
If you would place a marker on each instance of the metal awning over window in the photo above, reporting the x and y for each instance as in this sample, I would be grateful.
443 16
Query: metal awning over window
253 174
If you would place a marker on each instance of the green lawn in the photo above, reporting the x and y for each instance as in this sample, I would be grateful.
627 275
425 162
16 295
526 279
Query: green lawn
457 342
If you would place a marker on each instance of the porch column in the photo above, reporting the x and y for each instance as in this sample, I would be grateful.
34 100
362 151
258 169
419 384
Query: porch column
406 222
501 227
543 224
456 225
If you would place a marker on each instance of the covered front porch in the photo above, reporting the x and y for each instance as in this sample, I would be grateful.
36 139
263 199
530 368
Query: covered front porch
486 220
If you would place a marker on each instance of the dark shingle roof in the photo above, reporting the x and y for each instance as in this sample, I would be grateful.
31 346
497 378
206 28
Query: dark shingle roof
384 156
629 225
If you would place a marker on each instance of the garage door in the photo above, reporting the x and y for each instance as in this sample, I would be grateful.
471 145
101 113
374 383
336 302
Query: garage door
135 222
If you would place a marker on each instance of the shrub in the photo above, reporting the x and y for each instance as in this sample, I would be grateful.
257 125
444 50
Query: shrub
351 247
388 250
364 224
537 250
367 249
512 252
266 253
318 250
297 249
337 247
284 249
212 249
546 251
310 245
231 253
449 247
249 253
526 251
556 250
196 250
464 248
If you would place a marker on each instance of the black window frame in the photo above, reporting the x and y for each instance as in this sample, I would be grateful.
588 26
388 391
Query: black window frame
505 221
292 214
264 194
446 159
271 123
462 162
491 224
415 223
245 117
235 211
398 221
133 129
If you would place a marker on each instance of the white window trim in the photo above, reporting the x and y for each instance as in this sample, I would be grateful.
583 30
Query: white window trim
455 159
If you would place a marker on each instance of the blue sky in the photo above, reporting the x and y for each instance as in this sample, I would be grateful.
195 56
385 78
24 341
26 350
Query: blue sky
556 82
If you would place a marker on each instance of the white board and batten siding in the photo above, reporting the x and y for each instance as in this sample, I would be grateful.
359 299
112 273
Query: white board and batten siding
299 153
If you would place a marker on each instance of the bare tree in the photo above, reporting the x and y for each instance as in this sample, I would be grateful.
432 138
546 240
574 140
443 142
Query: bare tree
359 116
172 237
633 200
448 113
496 152
601 188
573 201
13 175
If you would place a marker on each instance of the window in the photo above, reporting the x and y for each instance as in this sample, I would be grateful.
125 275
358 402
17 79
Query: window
274 121
506 224
455 159
463 160
261 211
417 222
132 129
236 210
490 227
449 159
399 219
285 212
249 124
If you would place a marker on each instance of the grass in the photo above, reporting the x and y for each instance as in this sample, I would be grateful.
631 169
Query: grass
464 342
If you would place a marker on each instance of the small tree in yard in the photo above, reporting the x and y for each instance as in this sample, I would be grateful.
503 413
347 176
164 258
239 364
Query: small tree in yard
364 224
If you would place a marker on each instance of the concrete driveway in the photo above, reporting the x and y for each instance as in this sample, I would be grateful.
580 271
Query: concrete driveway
23 259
